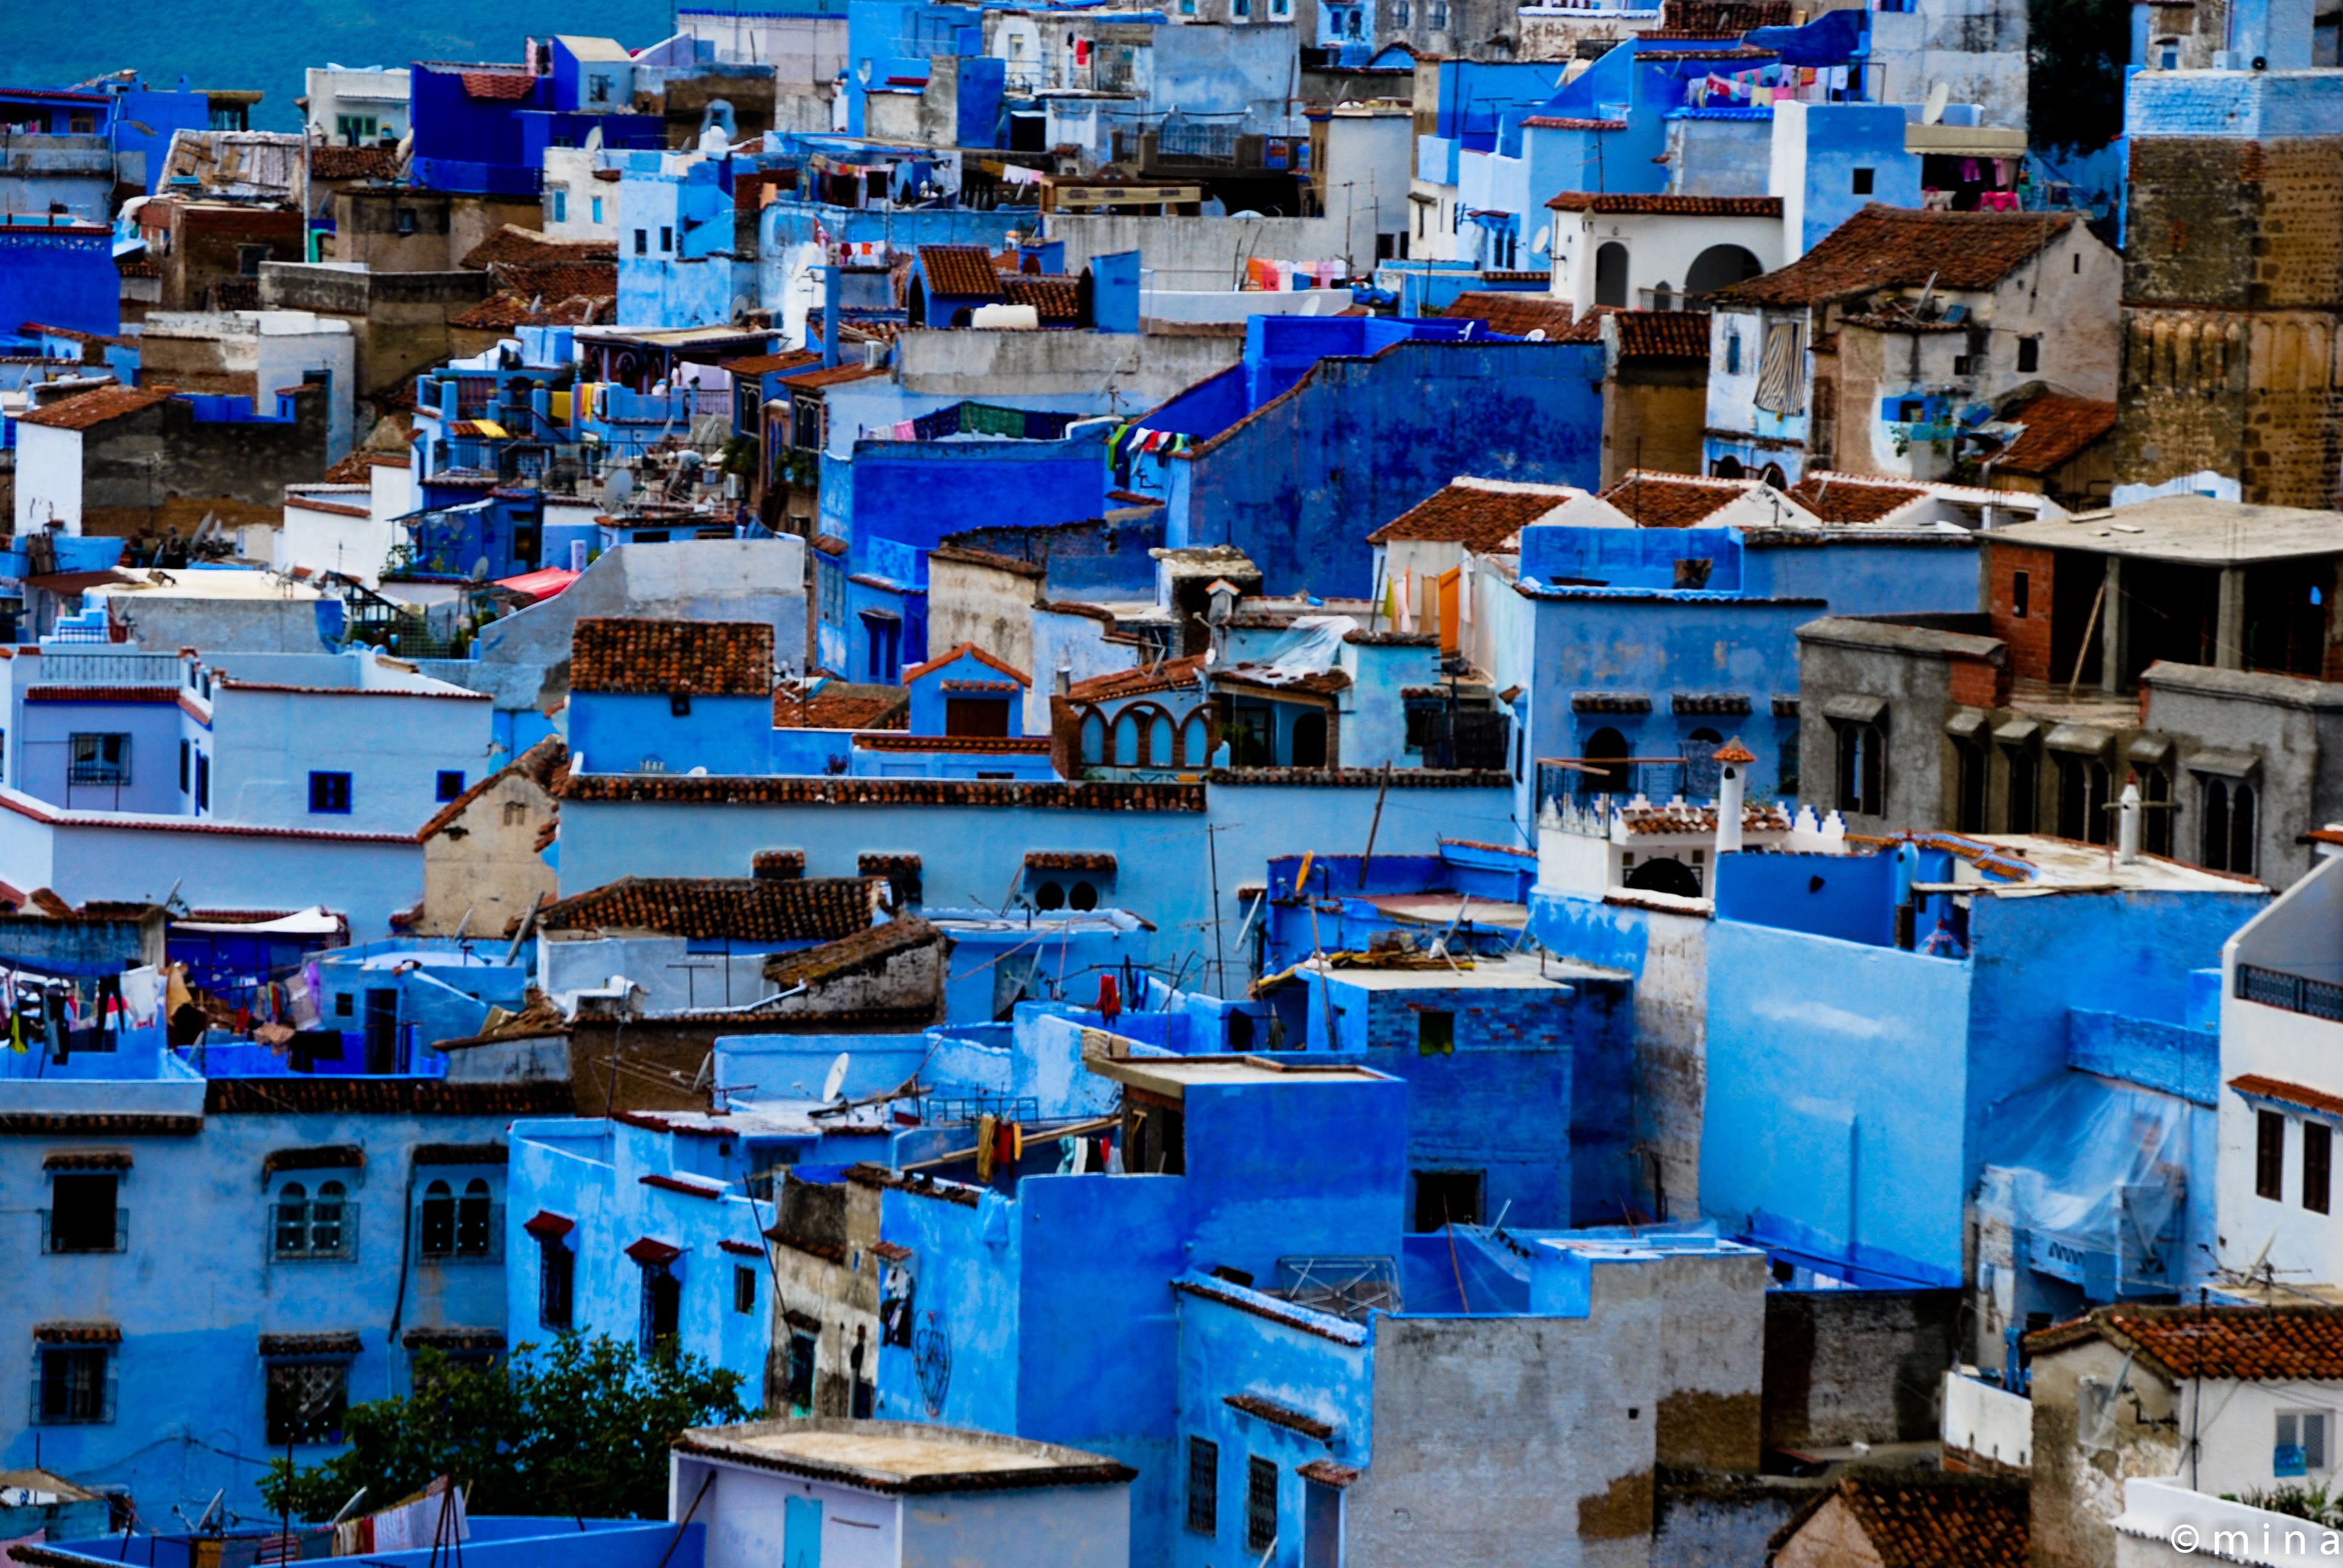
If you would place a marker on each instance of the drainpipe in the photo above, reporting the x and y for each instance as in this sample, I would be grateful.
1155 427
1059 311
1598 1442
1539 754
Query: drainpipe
832 289
2127 824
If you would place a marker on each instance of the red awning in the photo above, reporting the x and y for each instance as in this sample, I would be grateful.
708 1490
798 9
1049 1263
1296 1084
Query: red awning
542 584
548 1226
652 1254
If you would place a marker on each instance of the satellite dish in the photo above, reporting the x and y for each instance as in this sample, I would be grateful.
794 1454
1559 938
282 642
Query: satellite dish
480 569
835 1079
594 139
1537 335
1543 237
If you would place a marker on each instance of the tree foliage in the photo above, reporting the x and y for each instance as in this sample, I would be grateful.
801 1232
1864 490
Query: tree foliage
2075 73
582 1428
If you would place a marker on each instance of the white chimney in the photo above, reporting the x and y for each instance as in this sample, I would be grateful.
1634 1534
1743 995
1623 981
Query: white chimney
1731 785
2127 823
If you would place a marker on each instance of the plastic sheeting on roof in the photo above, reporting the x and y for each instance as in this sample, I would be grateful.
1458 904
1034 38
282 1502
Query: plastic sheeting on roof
309 922
2091 1174
1310 647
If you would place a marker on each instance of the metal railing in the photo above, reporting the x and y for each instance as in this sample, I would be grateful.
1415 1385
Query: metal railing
2295 993
1348 1288
110 669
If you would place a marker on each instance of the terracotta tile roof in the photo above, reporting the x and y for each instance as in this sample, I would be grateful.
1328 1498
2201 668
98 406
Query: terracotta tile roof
973 652
672 657
509 308
1662 334
682 788
1845 499
842 705
343 1343
353 163
997 745
1057 300
85 410
1572 123
1276 1414
788 909
559 279
1666 206
99 1123
1661 501
1724 16
1895 248
387 1096
2251 1344
1929 1519
542 763
89 1333
1069 861
509 87
1515 315
993 559
513 246
2057 430
1466 514
870 947
760 364
1674 818
817 377
2254 1086
1170 675
960 272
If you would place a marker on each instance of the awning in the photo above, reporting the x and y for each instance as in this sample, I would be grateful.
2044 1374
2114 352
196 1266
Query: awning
2230 764
542 584
1968 723
548 1226
2017 731
2154 749
2082 737
652 1254
1855 710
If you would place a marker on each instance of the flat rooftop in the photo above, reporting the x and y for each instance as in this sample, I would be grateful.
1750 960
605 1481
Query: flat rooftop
2192 530
2067 865
1505 971
1172 1076
896 1456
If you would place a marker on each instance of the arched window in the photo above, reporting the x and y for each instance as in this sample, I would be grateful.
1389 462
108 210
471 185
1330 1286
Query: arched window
1726 467
1663 297
1772 474
292 1220
1606 745
1968 813
1195 741
1126 741
1701 767
1094 738
1719 267
439 1238
2228 826
1665 874
1611 274
1159 742
326 1219
2155 810
472 1220
2083 798
1309 745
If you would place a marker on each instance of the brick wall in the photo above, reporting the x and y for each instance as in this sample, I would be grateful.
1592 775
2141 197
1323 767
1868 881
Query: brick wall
2027 638
1981 682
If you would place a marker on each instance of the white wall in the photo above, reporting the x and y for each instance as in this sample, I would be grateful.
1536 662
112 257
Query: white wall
1990 1421
1661 249
266 742
2164 1524
48 479
570 170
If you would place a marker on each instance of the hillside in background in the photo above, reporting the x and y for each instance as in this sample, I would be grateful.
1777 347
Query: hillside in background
249 44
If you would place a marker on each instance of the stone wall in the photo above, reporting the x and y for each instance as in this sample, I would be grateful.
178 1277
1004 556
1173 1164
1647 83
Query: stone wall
1855 1366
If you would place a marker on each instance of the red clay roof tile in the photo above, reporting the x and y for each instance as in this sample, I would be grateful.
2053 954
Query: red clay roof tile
672 657
1896 248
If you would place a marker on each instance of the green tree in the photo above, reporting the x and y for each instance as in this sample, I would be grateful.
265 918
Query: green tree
2075 73
581 1428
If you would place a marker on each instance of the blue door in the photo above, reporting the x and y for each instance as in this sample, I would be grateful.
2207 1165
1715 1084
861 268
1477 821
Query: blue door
801 1532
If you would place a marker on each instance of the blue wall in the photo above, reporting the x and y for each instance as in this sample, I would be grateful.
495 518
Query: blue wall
57 278
613 731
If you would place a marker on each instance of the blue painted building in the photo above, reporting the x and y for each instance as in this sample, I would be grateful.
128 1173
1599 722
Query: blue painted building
1331 426
58 271
676 266
1865 1021
484 129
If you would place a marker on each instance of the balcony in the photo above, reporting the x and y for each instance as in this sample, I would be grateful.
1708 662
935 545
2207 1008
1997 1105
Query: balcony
110 669
2290 992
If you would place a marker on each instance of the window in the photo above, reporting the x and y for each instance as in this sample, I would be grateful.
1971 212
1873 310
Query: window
2226 836
306 1401
1733 354
1440 13
76 1384
595 206
662 1306
2317 1165
100 759
557 1278
450 783
2269 1155
203 783
1861 183
2021 594
801 1358
667 239
1260 1504
319 1227
1968 814
1446 1197
84 1212
642 243
598 89
2083 798
1862 766
2023 788
1400 17
186 752
406 222
1435 1034
248 258
744 1288
1203 1487
560 206
329 793
456 1226
2301 1445
2029 354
